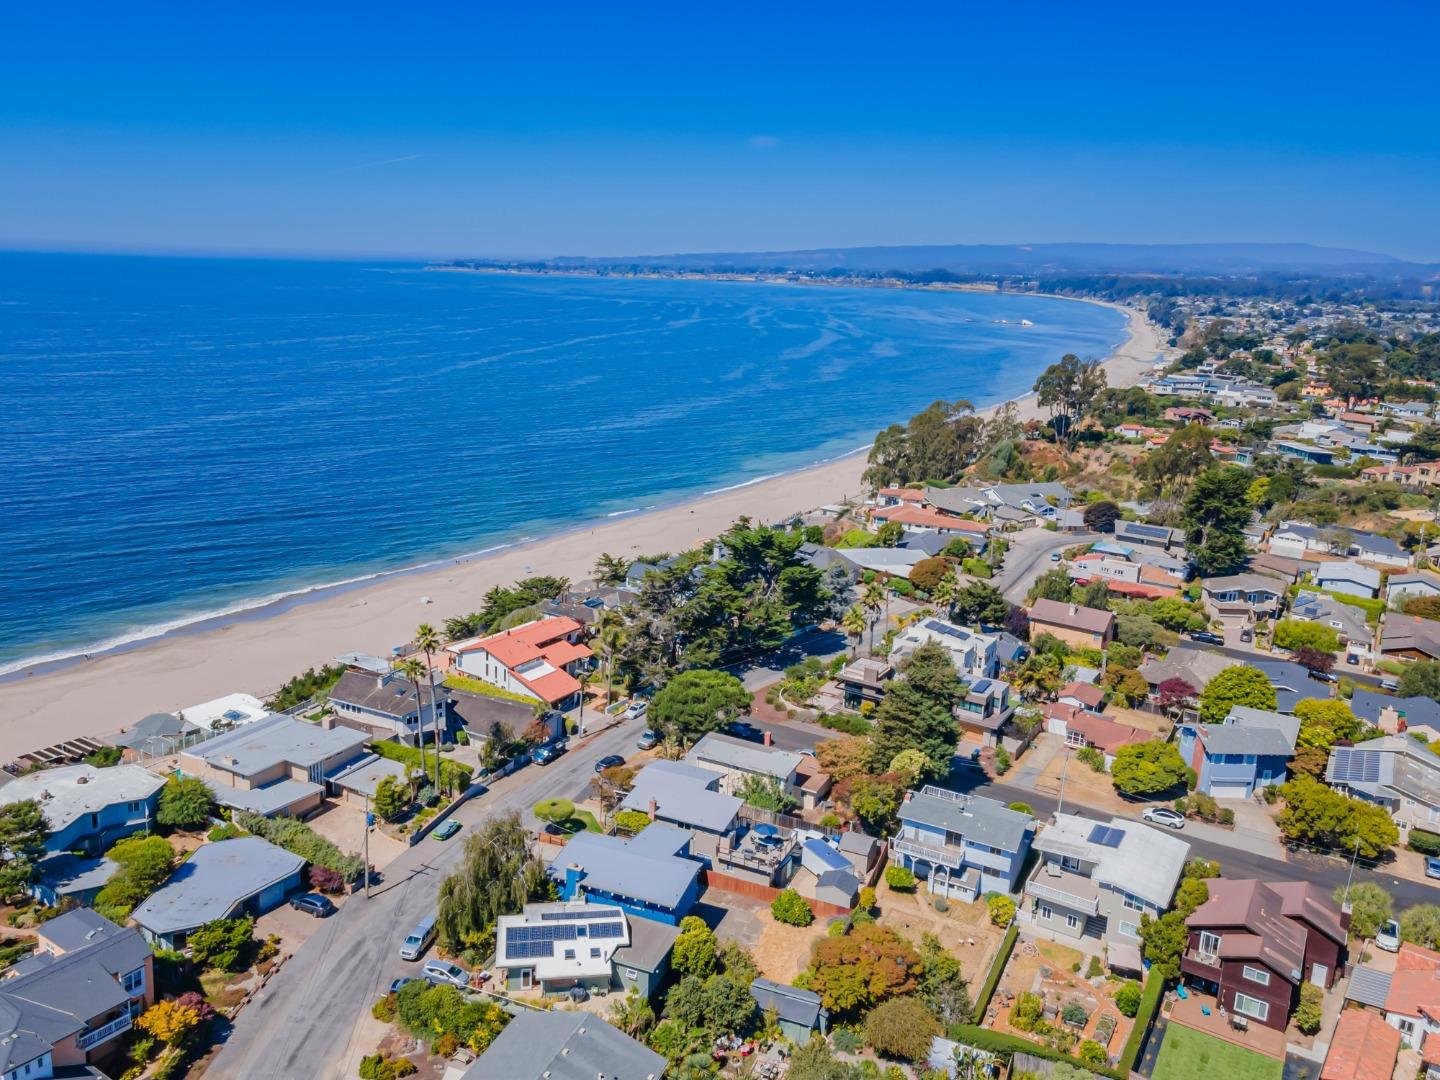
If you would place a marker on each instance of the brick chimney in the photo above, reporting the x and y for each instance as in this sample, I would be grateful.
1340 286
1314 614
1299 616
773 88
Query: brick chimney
652 809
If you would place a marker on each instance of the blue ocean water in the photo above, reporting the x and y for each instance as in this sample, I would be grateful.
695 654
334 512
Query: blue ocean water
183 437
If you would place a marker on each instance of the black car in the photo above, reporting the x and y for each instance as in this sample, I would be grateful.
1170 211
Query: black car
1207 637
610 761
312 904
739 729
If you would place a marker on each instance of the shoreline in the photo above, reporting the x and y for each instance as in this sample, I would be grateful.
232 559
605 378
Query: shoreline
256 647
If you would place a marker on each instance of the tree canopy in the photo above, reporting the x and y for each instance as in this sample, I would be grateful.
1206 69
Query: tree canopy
936 444
696 702
1237 685
863 967
496 876
22 844
917 711
186 802
1148 768
1215 515
1067 389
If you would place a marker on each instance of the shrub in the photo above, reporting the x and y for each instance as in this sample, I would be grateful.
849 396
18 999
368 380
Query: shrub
379 1067
554 810
223 944
790 908
1023 808
847 723
847 1040
1027 1011
867 899
384 1009
454 775
940 904
186 802
1002 761
900 878
631 821
1149 1003
1075 1014
1001 908
1426 843
325 880
1127 998
1092 757
1307 1013
299 839
169 1021
1095 968
901 1028
997 968
1091 1052
228 831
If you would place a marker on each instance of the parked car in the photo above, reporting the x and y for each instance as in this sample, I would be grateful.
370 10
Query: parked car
1432 866
648 740
397 985
418 940
1247 634
740 729
312 904
1352 658
1388 937
446 829
1208 637
636 709
609 761
1323 676
544 755
1163 815
1390 682
436 972
1055 556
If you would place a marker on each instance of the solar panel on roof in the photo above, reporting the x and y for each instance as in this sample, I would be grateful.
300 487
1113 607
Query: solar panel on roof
1356 766
579 916
611 929
1105 836
941 628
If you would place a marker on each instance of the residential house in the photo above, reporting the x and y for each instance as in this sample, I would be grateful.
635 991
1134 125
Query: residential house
277 766
559 1045
985 709
1187 663
1188 414
357 782
1291 683
1364 1047
539 659
650 875
1393 715
736 760
1409 637
226 712
1311 455
1235 759
1290 571
863 679
964 845
826 874
223 880
1156 536
88 809
1009 649
1293 539
1349 578
1397 772
1253 944
1241 599
1412 1003
1347 620
922 519
896 496
1081 728
974 655
687 796
384 706
69 1003
1082 627
66 876
1037 498
1082 695
553 947
153 736
1401 587
799 1012
884 562
1099 879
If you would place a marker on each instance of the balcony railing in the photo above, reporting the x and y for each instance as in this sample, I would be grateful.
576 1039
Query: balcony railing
1041 891
95 1036
1206 958
942 856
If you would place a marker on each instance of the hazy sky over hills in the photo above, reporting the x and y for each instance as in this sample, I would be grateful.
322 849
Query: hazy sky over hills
610 128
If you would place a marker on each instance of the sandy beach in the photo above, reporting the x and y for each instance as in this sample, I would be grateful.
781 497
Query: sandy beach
257 652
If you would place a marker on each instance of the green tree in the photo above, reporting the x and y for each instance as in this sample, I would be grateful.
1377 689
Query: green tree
917 711
1215 515
1052 585
224 944
1421 679
1322 817
1173 613
1148 768
1421 924
1067 389
853 623
1093 594
392 797
890 534
696 702
1324 722
1164 941
1127 998
790 908
695 949
766 793
980 603
22 844
1370 907
496 875
186 802
144 862
1237 685
1172 469
901 1028
942 984
1101 516
610 569
1298 633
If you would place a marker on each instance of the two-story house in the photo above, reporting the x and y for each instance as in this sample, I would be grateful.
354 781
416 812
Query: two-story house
964 845
384 705
1253 944
689 797
1082 627
1242 599
540 659
1398 772
1099 879
1412 1003
974 655
985 709
555 947
1249 751
736 760
88 809
69 1004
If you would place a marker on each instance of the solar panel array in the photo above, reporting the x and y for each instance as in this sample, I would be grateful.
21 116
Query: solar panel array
942 628
1355 766
1148 530
579 916
1105 836
530 942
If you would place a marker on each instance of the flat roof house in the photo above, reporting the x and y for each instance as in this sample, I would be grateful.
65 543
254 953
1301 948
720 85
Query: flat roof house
1254 943
540 659
736 759
1085 627
973 654
1249 751
1156 536
554 947
651 875
246 875
67 1005
864 679
556 1045
985 709
1099 879
383 706
963 845
88 809
275 766
225 712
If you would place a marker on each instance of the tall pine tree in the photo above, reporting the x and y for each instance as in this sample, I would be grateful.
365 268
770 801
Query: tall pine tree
918 712
1215 515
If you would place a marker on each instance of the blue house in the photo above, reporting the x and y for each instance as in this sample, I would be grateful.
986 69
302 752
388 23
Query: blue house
651 875
88 809
964 845
1250 750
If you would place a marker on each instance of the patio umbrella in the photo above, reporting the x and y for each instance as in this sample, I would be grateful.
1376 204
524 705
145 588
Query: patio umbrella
766 832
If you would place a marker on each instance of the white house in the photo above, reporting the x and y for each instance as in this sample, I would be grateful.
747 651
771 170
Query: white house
975 655
540 660
1349 578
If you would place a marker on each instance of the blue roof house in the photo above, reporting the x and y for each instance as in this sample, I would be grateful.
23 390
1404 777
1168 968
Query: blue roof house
1249 751
964 845
651 875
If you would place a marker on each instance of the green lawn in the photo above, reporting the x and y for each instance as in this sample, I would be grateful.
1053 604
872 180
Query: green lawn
580 821
1187 1054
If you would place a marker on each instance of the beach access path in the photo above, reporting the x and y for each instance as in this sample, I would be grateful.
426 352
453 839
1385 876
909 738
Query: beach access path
258 652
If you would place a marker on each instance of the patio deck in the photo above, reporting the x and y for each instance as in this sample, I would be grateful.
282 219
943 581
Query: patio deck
1257 1037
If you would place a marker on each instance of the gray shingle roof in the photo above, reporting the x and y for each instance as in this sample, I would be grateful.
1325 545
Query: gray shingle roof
682 794
650 944
66 793
644 868
733 753
213 882
267 800
67 873
559 1045
976 818
1366 704
790 1003
389 694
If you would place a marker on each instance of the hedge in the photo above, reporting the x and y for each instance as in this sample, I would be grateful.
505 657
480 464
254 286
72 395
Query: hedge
1424 841
997 968
847 723
299 839
997 1042
484 689
453 774
1144 1016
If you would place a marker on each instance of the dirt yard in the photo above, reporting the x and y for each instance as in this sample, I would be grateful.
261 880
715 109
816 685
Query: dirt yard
1045 968
344 826
782 952
1082 783
965 929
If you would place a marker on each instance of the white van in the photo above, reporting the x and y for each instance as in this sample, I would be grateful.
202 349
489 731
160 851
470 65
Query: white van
418 940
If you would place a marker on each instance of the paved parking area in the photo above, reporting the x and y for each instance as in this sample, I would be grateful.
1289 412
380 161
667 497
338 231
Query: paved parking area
344 826
733 917
292 927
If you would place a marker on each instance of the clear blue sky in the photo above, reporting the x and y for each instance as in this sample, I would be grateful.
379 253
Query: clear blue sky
440 129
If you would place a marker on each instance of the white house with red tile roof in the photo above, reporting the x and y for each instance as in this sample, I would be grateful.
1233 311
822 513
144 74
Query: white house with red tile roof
540 659
896 496
1412 1004
923 519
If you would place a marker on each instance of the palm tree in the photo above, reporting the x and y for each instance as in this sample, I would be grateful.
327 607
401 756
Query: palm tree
853 623
429 641
945 593
872 600
413 669
609 643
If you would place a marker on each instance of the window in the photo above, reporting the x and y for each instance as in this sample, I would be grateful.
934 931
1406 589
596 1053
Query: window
1254 1008
1209 944
1046 912
1256 975
631 973
134 981
594 952
1130 929
569 954
1067 863
1134 903
1072 921
1407 1028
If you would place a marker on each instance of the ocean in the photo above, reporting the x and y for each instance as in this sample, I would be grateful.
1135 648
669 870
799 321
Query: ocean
186 437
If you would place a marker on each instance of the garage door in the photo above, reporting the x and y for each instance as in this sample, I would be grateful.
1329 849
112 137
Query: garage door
1229 791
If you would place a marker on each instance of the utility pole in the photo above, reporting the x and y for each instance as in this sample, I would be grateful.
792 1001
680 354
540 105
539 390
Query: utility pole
1345 903
1064 768
367 847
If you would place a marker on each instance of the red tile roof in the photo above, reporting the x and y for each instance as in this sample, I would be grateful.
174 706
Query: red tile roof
927 518
1088 693
904 494
544 639
1364 1048
1415 986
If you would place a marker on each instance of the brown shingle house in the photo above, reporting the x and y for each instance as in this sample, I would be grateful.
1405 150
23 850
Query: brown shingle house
1086 628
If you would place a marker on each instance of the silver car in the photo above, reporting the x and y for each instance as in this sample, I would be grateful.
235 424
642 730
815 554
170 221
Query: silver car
442 971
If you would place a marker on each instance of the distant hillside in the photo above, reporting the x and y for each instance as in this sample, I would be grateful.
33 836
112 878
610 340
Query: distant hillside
1031 259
